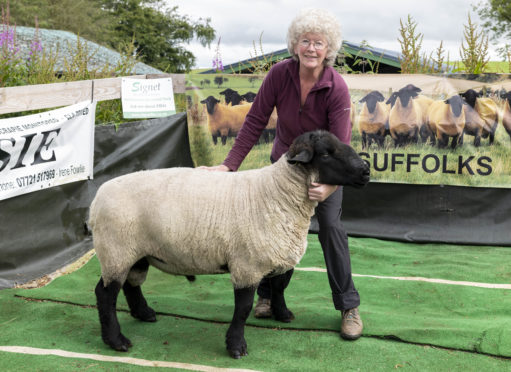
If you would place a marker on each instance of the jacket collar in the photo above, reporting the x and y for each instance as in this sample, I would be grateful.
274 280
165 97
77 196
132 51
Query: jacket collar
324 82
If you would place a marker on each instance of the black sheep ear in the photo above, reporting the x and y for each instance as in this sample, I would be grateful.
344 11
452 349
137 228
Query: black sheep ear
303 157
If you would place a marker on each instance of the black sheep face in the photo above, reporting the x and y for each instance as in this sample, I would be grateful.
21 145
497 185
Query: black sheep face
407 93
507 96
470 97
371 99
336 162
392 99
249 96
210 102
456 103
228 92
231 96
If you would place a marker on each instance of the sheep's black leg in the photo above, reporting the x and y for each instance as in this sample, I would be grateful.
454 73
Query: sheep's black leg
110 328
266 136
235 339
137 303
133 292
278 303
477 140
414 138
454 142
379 141
443 139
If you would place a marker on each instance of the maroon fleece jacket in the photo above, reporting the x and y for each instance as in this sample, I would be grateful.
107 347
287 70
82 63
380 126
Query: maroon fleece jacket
327 107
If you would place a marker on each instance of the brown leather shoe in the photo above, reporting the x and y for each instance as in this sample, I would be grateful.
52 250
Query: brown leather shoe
263 308
351 324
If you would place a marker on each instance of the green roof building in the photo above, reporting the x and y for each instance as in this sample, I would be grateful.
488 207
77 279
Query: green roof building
357 56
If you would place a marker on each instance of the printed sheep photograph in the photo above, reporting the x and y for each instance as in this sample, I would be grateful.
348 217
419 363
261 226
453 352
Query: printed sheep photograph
447 120
188 222
452 126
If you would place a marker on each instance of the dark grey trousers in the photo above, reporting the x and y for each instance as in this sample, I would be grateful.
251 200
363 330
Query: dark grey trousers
334 243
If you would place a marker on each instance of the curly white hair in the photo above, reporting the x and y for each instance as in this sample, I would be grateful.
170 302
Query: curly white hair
318 21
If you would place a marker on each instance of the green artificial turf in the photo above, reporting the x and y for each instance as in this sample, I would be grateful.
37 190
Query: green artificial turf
193 317
51 325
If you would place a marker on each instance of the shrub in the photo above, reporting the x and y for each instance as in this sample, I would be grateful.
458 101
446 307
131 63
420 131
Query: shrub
40 67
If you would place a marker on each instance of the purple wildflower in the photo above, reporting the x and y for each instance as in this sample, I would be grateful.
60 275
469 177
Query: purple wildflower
35 48
217 61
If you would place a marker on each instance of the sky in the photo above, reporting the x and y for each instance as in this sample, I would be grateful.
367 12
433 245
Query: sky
242 24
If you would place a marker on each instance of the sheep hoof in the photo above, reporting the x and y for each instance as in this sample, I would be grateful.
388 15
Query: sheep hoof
146 315
121 344
237 354
123 348
236 347
284 316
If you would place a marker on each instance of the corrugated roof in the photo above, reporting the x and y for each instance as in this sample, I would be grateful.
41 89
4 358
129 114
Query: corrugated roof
66 43
383 56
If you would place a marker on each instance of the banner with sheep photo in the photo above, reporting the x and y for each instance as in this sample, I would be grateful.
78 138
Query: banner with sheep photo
216 108
421 129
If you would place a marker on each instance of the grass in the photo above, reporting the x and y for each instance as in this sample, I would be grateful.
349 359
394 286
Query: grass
498 67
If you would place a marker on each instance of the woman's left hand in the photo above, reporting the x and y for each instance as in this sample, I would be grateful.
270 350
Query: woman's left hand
320 192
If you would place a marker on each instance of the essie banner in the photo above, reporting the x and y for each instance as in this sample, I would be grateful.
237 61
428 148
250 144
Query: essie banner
45 150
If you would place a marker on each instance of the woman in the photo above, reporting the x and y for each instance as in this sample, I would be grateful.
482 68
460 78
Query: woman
309 95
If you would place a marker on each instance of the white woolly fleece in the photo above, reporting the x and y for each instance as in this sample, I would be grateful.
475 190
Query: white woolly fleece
193 221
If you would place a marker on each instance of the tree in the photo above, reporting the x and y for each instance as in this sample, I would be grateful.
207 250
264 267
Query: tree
157 32
496 17
219 80
85 18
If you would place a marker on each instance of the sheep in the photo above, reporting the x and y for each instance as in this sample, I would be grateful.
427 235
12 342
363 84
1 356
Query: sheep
372 119
481 115
389 104
447 119
232 97
353 114
224 121
249 96
405 117
506 112
424 131
187 221
269 130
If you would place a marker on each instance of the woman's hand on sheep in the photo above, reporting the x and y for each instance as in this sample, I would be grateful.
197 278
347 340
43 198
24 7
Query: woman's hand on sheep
216 168
320 192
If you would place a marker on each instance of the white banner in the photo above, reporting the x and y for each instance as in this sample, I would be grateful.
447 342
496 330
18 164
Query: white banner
45 150
150 98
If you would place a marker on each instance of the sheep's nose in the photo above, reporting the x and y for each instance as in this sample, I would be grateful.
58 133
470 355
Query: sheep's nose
366 172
